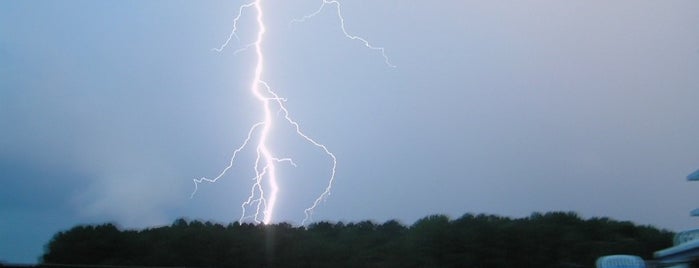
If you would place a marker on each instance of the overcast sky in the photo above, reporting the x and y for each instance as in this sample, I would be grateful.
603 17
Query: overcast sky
109 109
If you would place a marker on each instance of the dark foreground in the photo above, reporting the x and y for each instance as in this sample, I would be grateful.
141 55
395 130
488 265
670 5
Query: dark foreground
556 239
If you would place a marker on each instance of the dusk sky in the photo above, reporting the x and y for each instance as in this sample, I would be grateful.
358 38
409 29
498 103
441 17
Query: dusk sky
109 110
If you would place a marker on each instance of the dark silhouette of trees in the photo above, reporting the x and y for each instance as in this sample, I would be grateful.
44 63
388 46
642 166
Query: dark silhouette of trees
555 239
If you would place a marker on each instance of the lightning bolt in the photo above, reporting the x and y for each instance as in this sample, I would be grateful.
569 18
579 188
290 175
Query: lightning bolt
263 199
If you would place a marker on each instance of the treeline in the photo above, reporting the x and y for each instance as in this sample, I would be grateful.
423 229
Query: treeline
555 239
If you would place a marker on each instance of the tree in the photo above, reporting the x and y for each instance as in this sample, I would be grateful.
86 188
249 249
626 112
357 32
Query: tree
554 239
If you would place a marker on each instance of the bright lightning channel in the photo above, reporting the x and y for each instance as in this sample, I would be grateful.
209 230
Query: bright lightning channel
263 202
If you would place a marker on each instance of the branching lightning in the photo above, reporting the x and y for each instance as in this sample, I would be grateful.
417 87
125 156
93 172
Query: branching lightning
263 192
338 9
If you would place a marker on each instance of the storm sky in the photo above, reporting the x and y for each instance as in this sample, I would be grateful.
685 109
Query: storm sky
109 109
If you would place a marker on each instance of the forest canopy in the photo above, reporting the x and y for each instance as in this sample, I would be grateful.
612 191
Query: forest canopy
554 239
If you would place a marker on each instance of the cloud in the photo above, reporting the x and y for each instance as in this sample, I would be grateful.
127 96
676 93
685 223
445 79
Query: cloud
134 198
